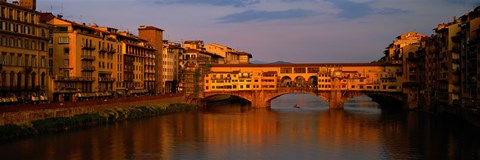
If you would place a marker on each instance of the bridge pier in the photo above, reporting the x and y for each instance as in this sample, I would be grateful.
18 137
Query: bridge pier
259 100
335 101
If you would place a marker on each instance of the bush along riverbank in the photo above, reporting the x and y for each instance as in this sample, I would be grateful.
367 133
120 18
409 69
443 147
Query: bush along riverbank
53 125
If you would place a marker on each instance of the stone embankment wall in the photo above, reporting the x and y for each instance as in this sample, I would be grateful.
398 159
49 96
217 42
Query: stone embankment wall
24 114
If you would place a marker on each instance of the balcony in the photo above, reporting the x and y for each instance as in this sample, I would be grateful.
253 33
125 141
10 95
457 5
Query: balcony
106 79
88 57
88 68
111 50
456 49
102 49
456 91
65 90
28 68
456 61
88 47
73 79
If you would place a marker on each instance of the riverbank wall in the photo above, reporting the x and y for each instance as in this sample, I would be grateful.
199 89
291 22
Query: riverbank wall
60 117
22 114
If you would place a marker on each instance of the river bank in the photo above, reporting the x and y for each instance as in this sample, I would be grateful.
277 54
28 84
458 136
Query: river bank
61 124
63 117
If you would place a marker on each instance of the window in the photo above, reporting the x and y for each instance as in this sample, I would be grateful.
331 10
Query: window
2 12
18 15
63 40
3 25
32 18
4 41
26 60
34 45
34 61
12 59
3 58
42 62
19 43
19 60
66 51
66 62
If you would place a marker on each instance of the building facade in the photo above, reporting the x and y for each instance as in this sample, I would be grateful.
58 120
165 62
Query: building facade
84 61
404 52
171 53
138 64
23 54
154 36
467 43
443 63
229 55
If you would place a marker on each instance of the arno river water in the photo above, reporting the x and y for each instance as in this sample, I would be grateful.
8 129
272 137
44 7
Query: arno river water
231 131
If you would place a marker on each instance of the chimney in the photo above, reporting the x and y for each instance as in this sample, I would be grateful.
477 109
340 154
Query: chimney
30 4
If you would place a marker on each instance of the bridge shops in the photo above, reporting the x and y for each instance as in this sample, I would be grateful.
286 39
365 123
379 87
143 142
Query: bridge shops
335 83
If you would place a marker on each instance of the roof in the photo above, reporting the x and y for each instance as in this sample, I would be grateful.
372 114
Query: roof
193 41
245 53
307 65
47 16
149 28
17 6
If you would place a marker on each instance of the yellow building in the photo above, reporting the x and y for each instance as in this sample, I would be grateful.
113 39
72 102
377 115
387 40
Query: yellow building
154 36
356 77
470 66
170 56
395 51
404 51
244 57
138 75
229 55
23 54
84 61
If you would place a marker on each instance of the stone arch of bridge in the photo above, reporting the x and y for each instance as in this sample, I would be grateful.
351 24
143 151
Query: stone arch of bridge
247 97
299 81
312 82
348 95
286 81
324 97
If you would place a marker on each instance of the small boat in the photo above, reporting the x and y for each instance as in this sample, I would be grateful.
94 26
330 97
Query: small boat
296 106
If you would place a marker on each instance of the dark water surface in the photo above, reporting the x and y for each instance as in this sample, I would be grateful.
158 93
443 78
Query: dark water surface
231 131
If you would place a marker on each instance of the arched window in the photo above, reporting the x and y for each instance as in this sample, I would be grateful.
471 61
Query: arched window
4 79
12 79
34 77
19 79
27 77
42 80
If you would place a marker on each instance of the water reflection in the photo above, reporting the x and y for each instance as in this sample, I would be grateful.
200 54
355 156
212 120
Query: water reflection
231 131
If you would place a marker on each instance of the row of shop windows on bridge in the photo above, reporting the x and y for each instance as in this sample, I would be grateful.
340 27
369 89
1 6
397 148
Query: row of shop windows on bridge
361 87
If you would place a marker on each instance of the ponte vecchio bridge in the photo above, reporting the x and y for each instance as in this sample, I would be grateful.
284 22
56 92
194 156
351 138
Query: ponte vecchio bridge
335 83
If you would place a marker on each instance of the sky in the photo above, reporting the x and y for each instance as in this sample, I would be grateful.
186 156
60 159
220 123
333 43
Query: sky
298 31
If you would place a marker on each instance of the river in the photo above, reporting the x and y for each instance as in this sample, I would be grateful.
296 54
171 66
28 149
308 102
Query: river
231 131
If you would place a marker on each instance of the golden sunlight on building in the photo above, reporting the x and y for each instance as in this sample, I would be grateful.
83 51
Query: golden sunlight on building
154 36
229 55
84 60
23 57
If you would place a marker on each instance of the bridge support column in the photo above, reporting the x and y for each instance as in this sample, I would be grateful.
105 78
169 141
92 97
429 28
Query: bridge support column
335 101
259 99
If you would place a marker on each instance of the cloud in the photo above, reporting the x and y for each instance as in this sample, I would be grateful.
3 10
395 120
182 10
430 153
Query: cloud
391 11
351 9
252 15
235 3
